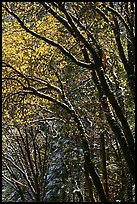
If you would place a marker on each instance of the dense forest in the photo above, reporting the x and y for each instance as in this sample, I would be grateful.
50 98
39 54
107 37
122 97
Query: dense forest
68 101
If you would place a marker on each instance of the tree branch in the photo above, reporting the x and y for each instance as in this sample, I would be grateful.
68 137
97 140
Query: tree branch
33 91
4 64
79 36
122 19
51 42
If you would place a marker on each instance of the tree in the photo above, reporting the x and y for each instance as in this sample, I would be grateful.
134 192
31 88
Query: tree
69 70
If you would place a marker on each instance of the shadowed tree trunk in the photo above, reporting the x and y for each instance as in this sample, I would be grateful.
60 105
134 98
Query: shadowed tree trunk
103 158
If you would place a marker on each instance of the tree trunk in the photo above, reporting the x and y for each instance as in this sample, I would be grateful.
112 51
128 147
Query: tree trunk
103 158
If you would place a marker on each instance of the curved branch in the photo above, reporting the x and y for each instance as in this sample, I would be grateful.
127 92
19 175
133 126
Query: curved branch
47 85
33 91
12 94
4 64
51 42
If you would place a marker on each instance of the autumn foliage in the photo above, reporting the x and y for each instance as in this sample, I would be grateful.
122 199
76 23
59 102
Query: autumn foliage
68 93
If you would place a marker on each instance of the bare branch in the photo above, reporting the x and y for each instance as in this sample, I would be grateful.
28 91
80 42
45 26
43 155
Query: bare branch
11 181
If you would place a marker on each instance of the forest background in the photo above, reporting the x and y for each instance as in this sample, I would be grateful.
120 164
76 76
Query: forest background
68 101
